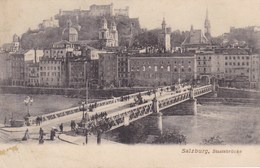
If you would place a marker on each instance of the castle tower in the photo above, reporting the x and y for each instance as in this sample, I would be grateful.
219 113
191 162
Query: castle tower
165 37
70 33
114 34
207 26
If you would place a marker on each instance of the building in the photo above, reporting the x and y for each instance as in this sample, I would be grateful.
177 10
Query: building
108 70
195 41
161 69
165 38
97 10
70 33
18 68
52 72
75 70
5 68
32 73
241 70
209 67
14 46
49 23
108 37
123 73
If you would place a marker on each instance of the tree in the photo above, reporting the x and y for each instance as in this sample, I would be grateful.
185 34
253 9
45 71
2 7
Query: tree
134 133
171 137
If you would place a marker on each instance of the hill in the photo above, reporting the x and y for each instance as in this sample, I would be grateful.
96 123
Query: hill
89 30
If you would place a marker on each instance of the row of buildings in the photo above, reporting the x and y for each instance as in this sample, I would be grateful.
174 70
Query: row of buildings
71 62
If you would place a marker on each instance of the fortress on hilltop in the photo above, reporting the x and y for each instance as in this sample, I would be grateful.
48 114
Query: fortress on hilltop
97 10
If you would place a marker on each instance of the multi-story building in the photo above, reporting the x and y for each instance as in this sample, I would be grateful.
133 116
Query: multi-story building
18 68
14 46
32 73
210 65
122 59
161 69
108 69
52 72
5 68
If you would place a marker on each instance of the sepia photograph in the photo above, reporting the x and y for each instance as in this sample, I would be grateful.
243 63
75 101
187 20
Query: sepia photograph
129 83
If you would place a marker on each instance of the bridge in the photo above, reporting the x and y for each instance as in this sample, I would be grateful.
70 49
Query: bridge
121 112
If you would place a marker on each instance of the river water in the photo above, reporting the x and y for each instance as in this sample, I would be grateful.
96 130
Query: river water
232 123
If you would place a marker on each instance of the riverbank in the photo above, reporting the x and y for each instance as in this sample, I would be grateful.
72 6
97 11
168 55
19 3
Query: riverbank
71 92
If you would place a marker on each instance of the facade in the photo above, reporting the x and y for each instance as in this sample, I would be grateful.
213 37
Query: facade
241 68
165 37
123 73
51 72
5 68
108 37
210 65
32 73
166 69
108 70
18 69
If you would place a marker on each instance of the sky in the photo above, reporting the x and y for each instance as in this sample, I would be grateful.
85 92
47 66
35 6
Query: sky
16 16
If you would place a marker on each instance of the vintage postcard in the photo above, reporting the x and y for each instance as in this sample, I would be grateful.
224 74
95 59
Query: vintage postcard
129 83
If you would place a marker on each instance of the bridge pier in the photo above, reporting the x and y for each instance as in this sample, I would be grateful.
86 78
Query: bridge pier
159 122
158 115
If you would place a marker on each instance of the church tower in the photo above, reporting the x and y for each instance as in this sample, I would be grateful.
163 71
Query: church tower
207 26
165 37
104 33
114 34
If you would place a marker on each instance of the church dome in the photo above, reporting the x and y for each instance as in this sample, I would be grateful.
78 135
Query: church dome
69 32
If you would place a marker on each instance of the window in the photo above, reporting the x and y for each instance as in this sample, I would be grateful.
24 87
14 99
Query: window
168 68
226 63
137 69
226 58
242 57
161 67
204 62
210 58
234 63
238 63
155 68
143 68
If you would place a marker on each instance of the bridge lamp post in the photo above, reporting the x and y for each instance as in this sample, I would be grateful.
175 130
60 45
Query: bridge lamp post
28 102
82 108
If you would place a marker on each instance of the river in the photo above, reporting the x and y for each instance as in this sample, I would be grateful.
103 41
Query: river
233 124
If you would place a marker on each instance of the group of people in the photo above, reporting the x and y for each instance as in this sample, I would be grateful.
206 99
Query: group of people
38 120
125 98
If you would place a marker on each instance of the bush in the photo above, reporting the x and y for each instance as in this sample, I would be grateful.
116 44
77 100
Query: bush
171 137
134 133
215 140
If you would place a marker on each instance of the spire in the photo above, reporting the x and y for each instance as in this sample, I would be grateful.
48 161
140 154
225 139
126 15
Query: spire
207 25
163 24
207 17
